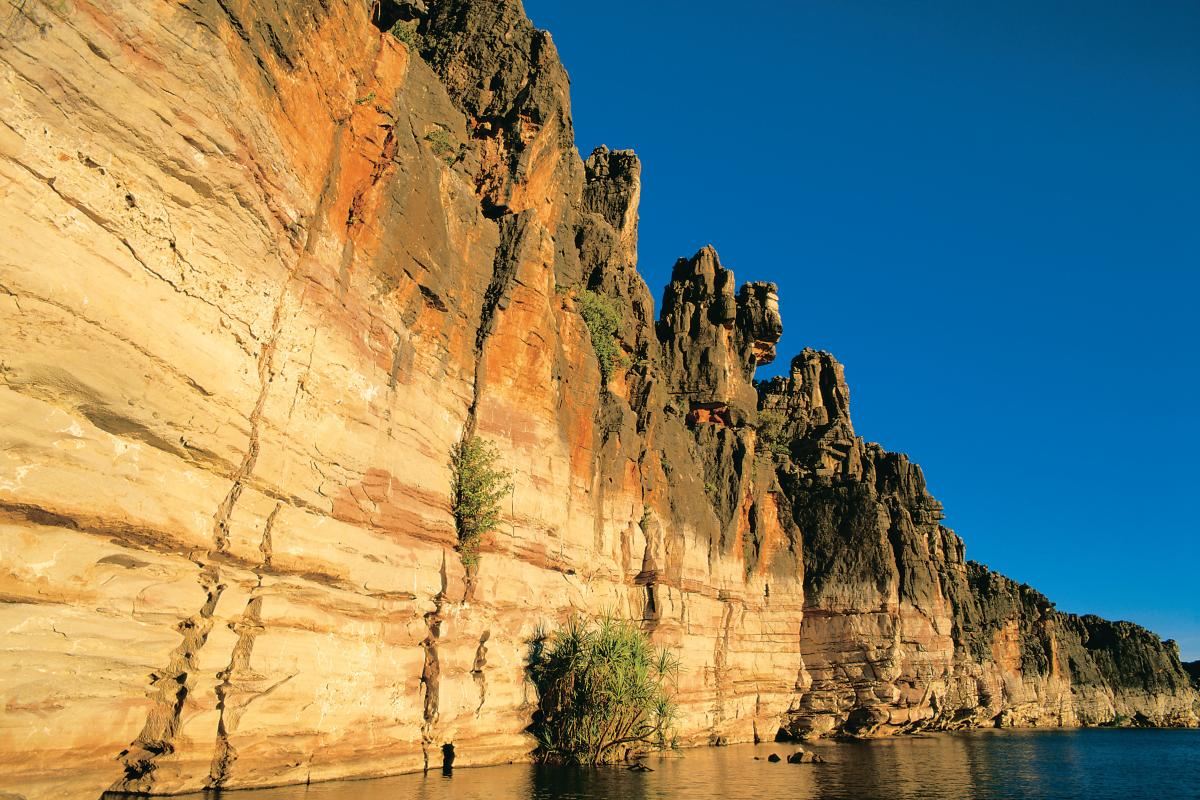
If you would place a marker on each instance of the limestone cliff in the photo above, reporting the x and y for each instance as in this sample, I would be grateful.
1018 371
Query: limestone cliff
262 264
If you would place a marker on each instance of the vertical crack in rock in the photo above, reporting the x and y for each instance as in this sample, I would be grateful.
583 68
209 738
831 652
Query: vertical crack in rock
721 677
265 365
230 705
173 684
224 753
504 268
431 669
170 687
238 680
266 374
477 670
430 682
495 299
266 546
394 371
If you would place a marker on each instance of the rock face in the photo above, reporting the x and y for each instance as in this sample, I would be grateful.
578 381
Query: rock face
714 338
900 633
263 263
1192 668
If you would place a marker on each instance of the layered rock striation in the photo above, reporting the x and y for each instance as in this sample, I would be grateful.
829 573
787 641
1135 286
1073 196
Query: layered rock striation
263 263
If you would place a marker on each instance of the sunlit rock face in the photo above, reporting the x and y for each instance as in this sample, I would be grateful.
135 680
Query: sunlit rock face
262 265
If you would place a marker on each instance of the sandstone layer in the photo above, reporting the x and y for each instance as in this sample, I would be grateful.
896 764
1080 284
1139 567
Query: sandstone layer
262 264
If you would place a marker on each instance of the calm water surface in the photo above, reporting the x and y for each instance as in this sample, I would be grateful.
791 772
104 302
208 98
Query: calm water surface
1090 764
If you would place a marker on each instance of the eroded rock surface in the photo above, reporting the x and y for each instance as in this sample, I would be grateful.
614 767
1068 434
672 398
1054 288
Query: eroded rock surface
262 263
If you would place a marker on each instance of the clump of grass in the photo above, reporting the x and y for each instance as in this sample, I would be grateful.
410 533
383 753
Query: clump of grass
602 317
603 691
477 485
445 146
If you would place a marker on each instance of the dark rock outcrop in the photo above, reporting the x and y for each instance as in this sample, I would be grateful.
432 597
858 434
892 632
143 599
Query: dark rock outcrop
1192 668
714 336
900 632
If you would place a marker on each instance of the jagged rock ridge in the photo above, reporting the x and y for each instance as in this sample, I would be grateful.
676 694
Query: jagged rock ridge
262 264
900 633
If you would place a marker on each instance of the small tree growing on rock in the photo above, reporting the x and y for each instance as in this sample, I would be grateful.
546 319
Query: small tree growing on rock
603 691
477 487
602 317
772 441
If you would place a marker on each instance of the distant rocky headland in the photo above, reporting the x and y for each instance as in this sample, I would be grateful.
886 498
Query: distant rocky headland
264 263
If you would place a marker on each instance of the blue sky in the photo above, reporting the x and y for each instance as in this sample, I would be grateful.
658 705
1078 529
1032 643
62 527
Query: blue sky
990 212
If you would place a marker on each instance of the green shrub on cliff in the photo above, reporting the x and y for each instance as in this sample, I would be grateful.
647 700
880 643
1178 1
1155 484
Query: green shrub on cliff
477 486
603 691
602 318
405 33
770 433
445 146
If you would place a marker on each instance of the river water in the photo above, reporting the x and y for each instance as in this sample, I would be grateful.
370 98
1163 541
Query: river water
1092 764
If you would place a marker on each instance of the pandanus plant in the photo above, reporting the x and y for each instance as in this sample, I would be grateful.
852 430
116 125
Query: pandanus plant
603 691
